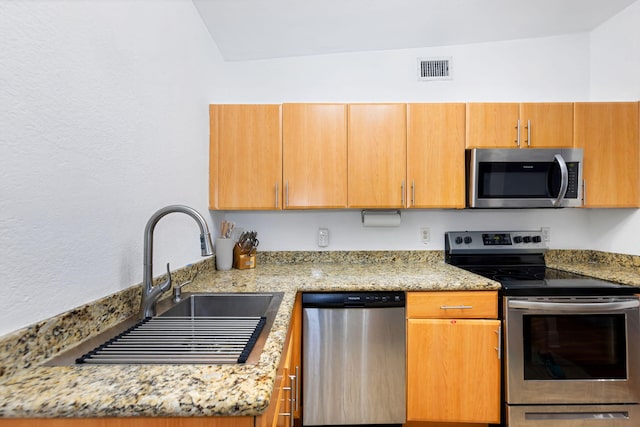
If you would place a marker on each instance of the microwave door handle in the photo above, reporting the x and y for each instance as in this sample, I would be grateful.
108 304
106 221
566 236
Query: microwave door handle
564 180
575 307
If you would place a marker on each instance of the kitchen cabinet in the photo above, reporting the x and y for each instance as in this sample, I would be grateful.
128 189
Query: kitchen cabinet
435 155
284 408
377 155
314 146
608 134
519 125
245 157
453 357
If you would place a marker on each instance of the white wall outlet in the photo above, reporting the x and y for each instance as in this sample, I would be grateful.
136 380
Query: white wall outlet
425 235
546 233
323 237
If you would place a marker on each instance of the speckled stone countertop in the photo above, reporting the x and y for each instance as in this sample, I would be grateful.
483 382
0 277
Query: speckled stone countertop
29 389
619 268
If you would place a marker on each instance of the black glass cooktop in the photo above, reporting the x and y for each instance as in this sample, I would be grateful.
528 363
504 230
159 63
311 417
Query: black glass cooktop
541 280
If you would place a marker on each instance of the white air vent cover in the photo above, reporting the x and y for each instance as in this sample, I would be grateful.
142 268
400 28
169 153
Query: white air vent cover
434 69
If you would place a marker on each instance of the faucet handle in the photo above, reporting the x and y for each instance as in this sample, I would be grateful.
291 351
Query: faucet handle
166 285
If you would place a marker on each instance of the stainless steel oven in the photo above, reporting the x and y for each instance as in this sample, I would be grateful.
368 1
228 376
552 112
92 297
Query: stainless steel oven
572 350
572 343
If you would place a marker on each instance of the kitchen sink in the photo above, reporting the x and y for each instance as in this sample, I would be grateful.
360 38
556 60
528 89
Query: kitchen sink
225 305
202 328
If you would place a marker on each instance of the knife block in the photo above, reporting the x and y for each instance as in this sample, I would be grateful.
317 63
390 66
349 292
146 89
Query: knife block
243 261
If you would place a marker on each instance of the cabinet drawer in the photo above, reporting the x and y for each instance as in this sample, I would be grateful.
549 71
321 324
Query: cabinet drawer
459 305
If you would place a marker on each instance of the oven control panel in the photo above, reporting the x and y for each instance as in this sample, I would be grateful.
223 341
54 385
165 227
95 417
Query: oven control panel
494 241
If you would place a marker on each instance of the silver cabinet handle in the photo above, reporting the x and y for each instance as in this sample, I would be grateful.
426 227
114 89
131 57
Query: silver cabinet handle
584 192
413 193
292 400
499 348
518 134
276 195
528 133
297 388
456 307
286 194
402 195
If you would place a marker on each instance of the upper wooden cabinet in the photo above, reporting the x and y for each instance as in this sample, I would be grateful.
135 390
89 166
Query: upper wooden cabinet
377 147
314 142
245 157
435 155
608 133
513 125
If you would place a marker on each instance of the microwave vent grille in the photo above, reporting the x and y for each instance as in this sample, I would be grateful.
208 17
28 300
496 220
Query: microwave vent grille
434 69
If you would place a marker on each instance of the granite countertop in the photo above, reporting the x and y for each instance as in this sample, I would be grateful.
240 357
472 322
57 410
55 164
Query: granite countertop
29 389
34 390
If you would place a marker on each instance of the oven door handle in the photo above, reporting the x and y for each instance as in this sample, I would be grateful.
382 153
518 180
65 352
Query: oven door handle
564 180
575 307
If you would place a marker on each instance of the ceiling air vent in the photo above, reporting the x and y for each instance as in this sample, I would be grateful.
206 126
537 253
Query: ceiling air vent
434 69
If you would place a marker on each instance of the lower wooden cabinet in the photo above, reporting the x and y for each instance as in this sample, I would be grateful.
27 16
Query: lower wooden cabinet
284 409
453 364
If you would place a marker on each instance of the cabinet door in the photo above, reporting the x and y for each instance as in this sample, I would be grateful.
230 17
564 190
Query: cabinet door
453 370
492 125
314 142
547 124
377 144
435 155
245 164
608 133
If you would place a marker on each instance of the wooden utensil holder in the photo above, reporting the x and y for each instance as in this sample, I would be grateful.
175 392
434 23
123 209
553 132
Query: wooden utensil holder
243 261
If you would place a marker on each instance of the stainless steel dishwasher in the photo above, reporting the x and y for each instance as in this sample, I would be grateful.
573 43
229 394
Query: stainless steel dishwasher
354 364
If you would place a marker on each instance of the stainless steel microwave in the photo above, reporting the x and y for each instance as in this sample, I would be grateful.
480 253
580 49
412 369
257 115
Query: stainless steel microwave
524 178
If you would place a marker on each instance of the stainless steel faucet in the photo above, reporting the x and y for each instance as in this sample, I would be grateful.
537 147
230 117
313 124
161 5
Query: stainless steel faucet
150 293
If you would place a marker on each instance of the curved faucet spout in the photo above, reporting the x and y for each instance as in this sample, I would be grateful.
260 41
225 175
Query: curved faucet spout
151 294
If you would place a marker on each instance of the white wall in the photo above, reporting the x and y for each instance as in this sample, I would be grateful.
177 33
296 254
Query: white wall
615 57
104 119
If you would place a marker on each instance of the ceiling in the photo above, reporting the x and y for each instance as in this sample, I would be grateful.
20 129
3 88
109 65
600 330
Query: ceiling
262 29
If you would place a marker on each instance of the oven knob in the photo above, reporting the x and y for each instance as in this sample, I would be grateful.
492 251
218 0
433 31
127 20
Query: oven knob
527 239
468 240
517 239
458 240
537 239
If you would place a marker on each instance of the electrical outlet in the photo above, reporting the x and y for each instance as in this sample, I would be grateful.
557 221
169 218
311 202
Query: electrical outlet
546 233
323 237
425 235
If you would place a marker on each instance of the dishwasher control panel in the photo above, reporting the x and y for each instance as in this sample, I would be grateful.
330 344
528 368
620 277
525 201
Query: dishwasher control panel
354 299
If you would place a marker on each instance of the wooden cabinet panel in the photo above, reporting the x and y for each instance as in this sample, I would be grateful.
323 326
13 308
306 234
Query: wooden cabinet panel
454 370
435 155
314 144
454 305
377 136
286 394
608 133
245 164
546 124
492 125
542 125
